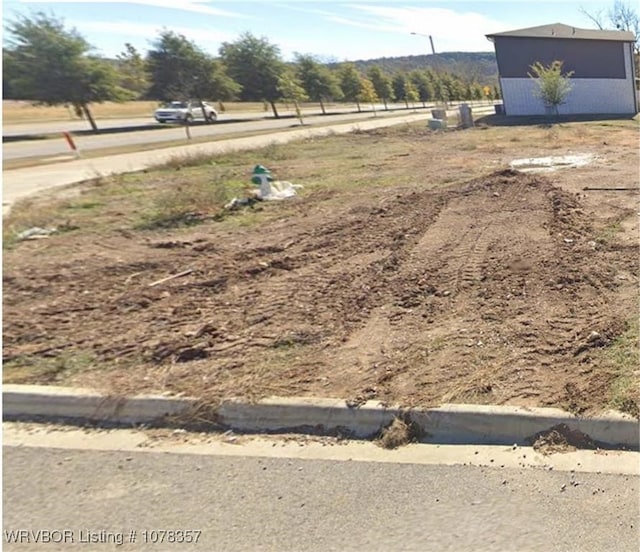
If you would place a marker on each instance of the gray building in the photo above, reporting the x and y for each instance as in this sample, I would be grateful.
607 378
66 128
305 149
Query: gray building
602 62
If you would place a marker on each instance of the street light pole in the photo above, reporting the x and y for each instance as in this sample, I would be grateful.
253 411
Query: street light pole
433 50
435 64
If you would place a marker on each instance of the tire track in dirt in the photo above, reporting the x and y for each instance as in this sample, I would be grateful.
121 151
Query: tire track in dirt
479 265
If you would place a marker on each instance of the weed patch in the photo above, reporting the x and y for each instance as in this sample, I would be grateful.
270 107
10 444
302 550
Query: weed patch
25 369
188 203
623 357
401 431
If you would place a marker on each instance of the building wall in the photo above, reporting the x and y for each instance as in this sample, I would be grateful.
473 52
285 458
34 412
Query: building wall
588 95
588 59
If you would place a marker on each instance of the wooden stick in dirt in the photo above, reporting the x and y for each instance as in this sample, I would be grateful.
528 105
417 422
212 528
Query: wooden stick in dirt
132 276
172 277
611 189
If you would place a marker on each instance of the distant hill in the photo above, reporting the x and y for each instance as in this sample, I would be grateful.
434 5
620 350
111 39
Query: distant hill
478 66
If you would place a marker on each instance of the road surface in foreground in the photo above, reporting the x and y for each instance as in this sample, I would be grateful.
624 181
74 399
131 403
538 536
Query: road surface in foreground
244 500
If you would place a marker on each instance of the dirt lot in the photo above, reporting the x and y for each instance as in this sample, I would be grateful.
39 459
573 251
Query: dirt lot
416 268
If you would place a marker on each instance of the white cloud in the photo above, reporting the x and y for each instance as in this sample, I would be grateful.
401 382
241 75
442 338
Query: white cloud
451 30
208 39
197 6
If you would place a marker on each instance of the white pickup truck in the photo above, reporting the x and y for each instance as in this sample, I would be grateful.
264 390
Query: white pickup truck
185 112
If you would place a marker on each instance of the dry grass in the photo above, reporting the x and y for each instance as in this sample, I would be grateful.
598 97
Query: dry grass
400 432
623 358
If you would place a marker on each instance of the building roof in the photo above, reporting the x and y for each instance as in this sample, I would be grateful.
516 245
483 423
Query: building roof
558 30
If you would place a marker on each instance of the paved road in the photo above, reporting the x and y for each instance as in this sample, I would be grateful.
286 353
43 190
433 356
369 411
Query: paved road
14 129
71 125
56 147
252 502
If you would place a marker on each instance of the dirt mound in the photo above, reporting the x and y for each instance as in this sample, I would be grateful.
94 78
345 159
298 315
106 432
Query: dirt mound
490 291
561 438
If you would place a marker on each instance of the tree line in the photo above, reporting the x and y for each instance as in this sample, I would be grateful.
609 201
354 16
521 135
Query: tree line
46 63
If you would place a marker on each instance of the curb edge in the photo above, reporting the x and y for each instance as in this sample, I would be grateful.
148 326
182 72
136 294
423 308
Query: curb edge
448 423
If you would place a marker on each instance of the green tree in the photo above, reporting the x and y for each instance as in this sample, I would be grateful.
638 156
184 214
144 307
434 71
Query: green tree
381 84
477 93
179 70
457 89
368 93
318 81
468 92
422 83
442 87
291 89
448 87
410 93
256 65
51 65
552 86
398 85
8 75
133 71
350 83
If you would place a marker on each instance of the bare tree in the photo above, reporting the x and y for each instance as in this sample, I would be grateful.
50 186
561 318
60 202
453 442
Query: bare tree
622 16
596 17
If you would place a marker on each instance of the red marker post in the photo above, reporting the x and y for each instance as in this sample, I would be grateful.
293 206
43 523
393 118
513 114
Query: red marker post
71 143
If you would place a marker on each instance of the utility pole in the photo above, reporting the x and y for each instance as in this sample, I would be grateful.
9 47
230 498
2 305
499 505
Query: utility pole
433 50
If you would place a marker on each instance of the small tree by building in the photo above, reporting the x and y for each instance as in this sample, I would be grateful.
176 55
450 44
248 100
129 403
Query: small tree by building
552 85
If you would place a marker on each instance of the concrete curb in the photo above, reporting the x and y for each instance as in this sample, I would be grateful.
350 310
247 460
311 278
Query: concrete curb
451 423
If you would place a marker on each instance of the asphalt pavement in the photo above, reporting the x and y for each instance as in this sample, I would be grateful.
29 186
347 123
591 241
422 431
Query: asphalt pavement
147 498
74 124
157 133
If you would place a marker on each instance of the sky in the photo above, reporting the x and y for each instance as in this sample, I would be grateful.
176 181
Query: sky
332 31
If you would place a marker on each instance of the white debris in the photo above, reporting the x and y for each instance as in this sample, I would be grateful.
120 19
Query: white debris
36 233
277 189
548 164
